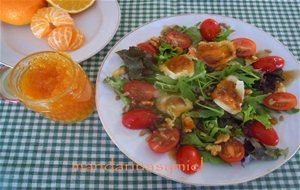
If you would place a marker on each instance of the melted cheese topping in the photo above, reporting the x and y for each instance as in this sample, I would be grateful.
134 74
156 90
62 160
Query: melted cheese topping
178 66
216 54
173 105
229 94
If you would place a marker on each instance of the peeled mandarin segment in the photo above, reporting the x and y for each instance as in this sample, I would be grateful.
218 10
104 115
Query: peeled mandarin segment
60 38
77 41
60 18
48 18
66 38
41 27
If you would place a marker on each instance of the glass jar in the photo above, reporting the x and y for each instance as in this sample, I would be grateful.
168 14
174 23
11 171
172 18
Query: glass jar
52 84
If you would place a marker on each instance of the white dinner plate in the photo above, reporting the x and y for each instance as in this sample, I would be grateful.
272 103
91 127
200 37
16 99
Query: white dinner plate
136 147
99 23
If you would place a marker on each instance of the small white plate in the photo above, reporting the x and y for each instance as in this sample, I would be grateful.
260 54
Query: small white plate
99 24
135 146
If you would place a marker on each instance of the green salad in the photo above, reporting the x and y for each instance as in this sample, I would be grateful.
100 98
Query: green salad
194 91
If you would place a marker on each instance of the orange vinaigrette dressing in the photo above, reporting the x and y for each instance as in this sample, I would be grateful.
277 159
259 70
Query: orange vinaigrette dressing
56 87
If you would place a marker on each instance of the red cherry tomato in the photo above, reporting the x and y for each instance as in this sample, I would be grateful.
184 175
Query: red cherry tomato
164 141
148 48
189 159
139 90
258 131
281 101
269 63
182 40
139 119
210 29
232 151
244 47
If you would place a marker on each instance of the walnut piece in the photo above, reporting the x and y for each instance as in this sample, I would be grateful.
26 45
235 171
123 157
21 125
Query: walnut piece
169 123
280 87
214 149
223 137
187 124
146 103
248 91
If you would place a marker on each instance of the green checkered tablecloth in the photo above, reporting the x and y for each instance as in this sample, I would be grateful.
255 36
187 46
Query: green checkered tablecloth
36 153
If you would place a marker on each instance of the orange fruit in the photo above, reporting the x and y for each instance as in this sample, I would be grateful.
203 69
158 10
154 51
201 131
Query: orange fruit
46 19
66 38
19 12
72 6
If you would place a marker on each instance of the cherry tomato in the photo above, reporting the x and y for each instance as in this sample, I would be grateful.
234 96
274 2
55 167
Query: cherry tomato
138 118
139 90
281 101
232 151
189 159
258 131
269 63
148 48
244 47
182 40
164 141
210 29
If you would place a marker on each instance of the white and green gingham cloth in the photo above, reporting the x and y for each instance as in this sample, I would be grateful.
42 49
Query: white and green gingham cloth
36 153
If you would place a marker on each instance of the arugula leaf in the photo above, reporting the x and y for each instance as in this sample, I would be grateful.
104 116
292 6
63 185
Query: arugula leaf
166 52
165 83
257 102
240 60
197 138
207 157
205 112
256 98
186 89
192 139
218 112
194 33
293 111
204 137
202 113
237 132
254 109
248 114
180 85
264 119
166 87
226 129
223 35
211 127
208 125
116 83
244 73
166 79
199 70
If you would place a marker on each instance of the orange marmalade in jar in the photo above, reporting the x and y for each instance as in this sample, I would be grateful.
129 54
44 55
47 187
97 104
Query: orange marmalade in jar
52 84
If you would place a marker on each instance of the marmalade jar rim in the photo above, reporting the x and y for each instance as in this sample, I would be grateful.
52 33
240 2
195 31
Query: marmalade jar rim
13 82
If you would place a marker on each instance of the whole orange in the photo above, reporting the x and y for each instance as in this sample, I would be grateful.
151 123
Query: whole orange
19 12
